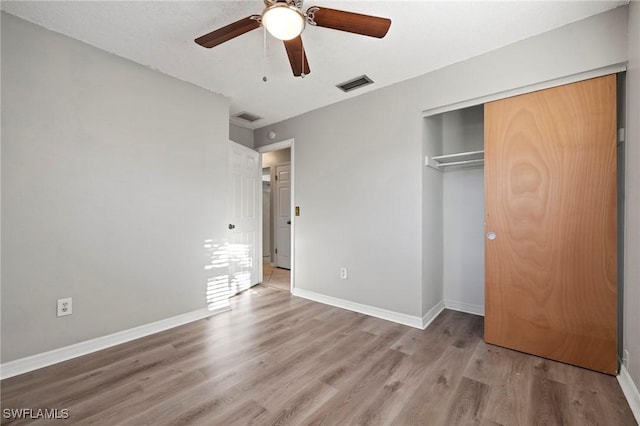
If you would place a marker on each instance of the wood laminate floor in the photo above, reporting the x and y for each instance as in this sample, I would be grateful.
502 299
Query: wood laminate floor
277 278
279 359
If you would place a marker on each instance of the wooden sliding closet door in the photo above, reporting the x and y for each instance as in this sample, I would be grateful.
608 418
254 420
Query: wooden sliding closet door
550 200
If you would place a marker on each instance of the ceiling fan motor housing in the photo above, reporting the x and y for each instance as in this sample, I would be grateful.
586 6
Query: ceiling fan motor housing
283 19
296 3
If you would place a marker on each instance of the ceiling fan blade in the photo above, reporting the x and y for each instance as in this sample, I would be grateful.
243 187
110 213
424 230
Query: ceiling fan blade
228 32
297 56
350 22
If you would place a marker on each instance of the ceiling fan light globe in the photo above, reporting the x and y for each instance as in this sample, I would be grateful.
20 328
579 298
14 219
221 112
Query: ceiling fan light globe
284 22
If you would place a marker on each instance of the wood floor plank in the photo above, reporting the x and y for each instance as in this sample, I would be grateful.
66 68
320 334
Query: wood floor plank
550 402
292 408
508 373
248 413
385 401
278 359
468 403
152 391
428 405
341 373
356 392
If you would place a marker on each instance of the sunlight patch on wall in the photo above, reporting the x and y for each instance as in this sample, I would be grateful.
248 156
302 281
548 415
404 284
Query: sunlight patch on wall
240 264
217 269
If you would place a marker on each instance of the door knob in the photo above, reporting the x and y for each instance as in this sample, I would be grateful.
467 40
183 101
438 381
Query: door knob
232 226
288 222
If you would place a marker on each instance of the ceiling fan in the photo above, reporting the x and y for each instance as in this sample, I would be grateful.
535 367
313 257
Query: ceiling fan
285 20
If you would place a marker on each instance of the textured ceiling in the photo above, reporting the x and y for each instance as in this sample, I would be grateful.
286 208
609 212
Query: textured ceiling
424 35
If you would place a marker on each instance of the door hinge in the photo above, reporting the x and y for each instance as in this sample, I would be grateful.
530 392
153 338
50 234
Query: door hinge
621 134
276 251
276 177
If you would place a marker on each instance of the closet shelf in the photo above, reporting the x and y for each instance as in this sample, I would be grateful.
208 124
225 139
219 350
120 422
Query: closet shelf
459 159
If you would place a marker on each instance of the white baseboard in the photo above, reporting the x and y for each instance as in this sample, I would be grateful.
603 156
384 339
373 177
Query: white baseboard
432 314
410 320
630 390
34 362
464 307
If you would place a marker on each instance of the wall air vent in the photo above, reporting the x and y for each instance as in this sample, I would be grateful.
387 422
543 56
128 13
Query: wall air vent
247 116
355 83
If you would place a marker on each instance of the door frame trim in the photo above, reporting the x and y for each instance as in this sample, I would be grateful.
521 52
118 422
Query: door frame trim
288 143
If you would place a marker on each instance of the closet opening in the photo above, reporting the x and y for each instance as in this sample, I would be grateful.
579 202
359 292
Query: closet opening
454 149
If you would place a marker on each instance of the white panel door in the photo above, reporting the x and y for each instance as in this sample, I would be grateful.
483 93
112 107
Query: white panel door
245 241
266 223
283 216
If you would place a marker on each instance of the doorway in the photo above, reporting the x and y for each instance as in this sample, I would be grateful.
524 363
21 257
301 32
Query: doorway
277 215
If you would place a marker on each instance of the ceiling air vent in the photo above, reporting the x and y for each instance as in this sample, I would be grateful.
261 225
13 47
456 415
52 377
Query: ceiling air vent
247 116
355 83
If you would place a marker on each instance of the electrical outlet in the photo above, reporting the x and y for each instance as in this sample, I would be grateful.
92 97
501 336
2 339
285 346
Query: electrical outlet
343 273
65 307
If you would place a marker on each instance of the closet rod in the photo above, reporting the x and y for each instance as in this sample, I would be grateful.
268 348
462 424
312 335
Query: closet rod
442 158
457 163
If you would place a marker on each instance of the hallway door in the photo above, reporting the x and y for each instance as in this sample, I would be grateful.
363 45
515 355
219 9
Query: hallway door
283 217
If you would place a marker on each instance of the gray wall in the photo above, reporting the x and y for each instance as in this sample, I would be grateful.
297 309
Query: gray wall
241 135
632 204
360 203
368 201
272 158
463 234
113 176
463 130
432 229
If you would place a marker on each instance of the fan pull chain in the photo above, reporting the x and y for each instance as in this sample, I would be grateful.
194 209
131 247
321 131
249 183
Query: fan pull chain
264 54
302 59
